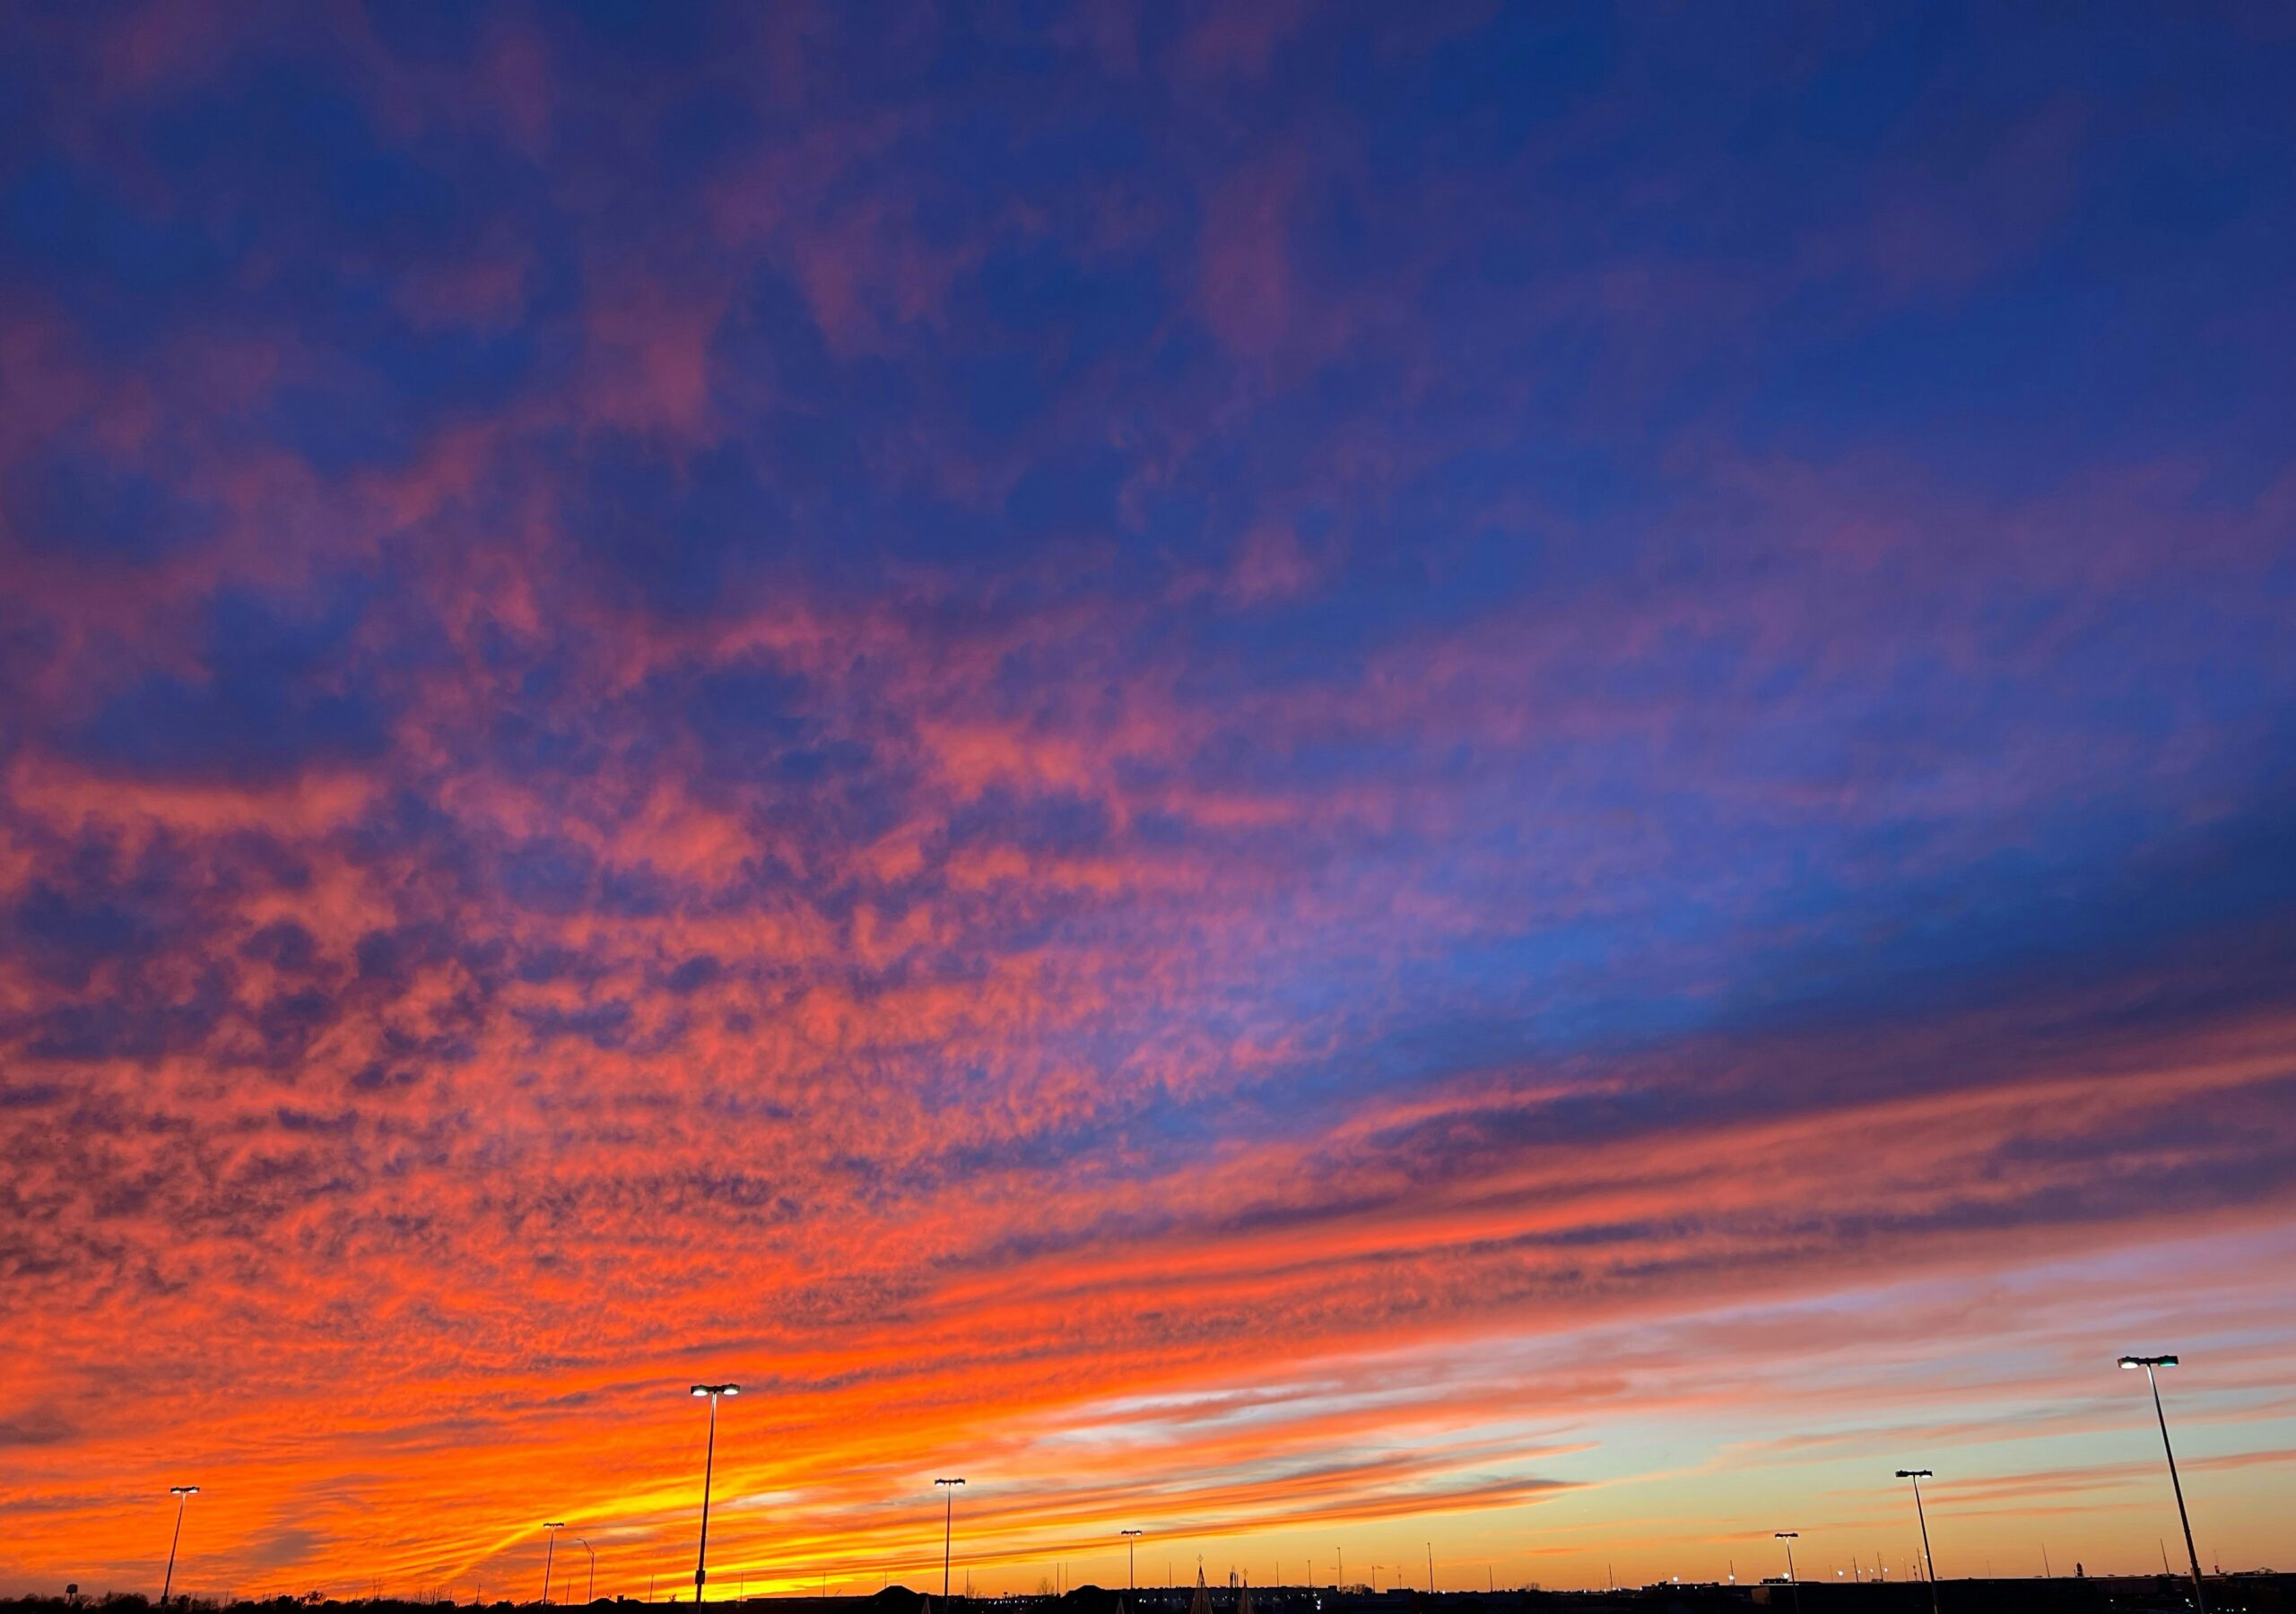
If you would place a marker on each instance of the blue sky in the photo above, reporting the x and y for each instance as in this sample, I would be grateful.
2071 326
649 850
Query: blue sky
1193 700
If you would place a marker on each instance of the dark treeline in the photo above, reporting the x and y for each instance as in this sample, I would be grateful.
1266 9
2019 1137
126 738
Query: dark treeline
2259 1593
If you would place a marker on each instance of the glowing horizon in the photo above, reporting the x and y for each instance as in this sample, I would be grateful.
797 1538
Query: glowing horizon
1314 780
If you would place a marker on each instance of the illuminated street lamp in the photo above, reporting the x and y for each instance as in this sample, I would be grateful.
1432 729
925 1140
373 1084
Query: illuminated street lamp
948 1523
1131 1539
709 1465
182 1494
550 1557
2199 1597
1789 1537
1927 1558
593 1551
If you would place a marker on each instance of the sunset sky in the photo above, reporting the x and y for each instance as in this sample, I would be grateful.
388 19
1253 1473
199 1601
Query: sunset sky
1326 778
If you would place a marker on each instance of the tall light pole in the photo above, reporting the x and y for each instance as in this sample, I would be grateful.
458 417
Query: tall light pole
1927 1558
550 1557
182 1494
1131 1541
708 1467
948 1489
593 1551
2199 1596
1789 1537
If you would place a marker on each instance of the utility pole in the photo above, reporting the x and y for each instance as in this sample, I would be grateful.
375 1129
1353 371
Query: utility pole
182 1494
948 1525
709 1468
547 1559
1929 1559
2199 1594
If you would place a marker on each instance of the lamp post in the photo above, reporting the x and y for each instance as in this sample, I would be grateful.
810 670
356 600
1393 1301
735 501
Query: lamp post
2199 1596
182 1494
1928 1559
1789 1537
1131 1541
593 1551
708 1466
550 1557
948 1489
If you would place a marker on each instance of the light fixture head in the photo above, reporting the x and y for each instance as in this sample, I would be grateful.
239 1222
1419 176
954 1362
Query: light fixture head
1915 1474
555 1524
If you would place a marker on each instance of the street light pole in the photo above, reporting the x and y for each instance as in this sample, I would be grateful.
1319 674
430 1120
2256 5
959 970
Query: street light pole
948 1489
1789 1537
182 1494
2200 1597
1131 1539
709 1468
550 1557
593 1551
1928 1559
